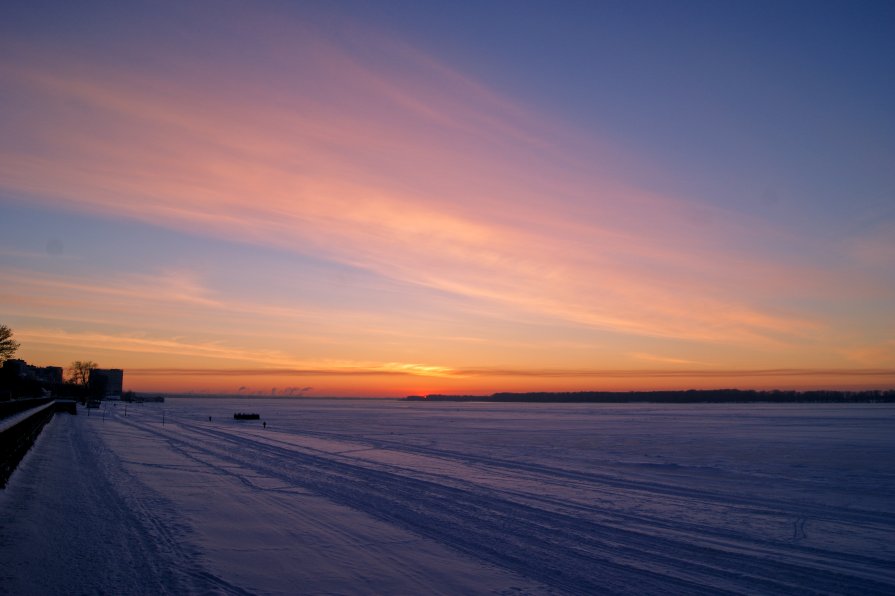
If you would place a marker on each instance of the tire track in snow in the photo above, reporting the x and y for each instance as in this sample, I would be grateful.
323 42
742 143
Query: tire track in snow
731 539
569 552
562 476
74 522
149 526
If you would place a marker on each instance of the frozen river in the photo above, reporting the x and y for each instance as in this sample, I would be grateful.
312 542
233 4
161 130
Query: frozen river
375 497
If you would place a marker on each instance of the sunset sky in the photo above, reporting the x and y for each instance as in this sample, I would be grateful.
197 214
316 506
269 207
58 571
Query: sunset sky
391 198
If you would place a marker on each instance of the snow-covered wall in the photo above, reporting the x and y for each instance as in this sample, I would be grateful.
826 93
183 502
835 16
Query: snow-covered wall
17 434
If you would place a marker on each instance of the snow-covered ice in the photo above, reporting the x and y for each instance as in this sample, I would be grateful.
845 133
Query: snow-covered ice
390 497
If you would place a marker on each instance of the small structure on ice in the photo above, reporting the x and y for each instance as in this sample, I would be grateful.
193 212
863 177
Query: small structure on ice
246 416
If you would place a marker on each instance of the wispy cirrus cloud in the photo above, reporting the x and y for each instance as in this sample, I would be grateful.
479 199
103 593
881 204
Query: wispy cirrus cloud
664 359
173 285
399 369
272 362
380 157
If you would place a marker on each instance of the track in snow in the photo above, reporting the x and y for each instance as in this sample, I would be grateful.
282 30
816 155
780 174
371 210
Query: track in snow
548 523
74 522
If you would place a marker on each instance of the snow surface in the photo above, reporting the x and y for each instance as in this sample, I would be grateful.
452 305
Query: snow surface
388 497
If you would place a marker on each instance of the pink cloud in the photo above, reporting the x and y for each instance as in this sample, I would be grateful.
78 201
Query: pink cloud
394 163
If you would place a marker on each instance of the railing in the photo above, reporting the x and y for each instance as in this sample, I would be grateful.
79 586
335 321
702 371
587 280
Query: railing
10 408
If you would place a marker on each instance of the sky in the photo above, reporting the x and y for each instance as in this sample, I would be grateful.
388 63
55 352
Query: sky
393 198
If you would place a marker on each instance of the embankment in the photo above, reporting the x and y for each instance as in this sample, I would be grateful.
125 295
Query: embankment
21 423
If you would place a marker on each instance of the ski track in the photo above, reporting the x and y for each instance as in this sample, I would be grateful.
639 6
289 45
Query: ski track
516 523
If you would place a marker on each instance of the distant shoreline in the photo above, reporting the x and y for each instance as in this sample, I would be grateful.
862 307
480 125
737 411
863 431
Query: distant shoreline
707 396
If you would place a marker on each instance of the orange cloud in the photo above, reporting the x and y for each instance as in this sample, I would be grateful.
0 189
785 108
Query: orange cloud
427 184
378 156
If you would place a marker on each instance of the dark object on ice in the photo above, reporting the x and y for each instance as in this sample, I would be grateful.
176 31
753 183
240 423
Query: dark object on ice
93 404
264 424
245 416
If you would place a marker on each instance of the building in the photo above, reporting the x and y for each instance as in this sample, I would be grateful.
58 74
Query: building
48 374
106 382
19 369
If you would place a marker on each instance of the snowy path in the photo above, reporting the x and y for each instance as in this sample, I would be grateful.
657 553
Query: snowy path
74 523
413 504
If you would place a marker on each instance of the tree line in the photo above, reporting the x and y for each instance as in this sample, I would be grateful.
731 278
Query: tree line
679 397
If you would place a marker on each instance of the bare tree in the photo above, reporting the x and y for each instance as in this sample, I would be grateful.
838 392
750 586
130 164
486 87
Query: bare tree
8 345
79 371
